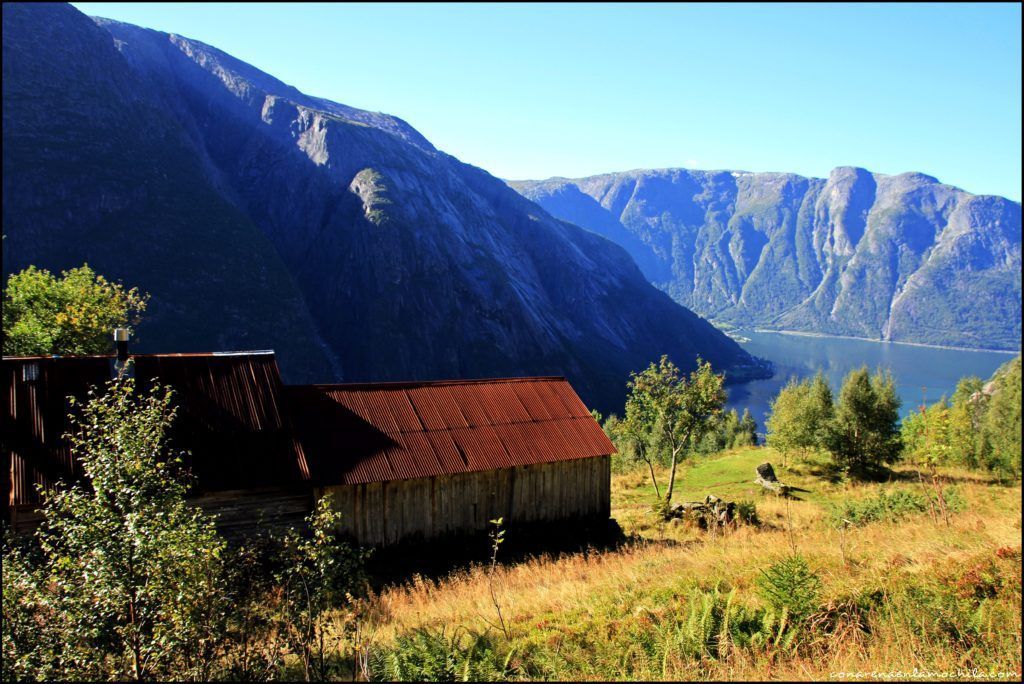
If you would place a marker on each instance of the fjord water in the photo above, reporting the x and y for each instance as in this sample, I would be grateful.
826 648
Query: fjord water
915 368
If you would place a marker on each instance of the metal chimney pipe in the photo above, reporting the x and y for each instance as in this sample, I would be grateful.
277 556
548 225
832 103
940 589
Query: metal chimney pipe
121 338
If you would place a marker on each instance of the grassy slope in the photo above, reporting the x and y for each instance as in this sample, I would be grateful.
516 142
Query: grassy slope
600 616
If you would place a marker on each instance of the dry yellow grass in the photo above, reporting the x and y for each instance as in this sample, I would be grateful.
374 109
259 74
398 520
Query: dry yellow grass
544 599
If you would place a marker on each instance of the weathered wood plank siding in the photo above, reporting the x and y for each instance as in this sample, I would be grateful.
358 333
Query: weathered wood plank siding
385 513
237 513
244 512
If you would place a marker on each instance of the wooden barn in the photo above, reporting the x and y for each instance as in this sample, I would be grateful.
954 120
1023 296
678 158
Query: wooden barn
403 461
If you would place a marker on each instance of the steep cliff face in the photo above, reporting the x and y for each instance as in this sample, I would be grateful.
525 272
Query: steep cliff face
901 258
407 262
96 171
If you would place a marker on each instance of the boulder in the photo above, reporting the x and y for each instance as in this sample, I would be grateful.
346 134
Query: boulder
766 472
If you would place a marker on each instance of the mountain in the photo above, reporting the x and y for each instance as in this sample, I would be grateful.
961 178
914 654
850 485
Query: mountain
903 258
258 216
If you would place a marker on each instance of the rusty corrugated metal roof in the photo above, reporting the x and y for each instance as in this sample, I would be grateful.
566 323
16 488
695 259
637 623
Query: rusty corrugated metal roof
373 432
243 428
230 419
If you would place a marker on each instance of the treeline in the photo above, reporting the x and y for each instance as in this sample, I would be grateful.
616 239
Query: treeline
978 427
859 429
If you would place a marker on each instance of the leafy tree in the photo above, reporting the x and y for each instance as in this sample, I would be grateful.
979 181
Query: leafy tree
800 416
864 434
320 575
70 314
746 431
1001 425
980 428
636 432
913 430
129 572
674 410
129 581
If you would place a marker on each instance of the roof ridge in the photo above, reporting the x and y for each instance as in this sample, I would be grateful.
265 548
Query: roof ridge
48 357
398 384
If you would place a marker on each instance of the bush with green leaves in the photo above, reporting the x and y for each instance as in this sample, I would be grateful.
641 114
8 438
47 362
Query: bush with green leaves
729 431
1001 425
72 314
31 649
320 576
980 427
801 416
746 512
713 624
128 580
791 585
894 506
430 655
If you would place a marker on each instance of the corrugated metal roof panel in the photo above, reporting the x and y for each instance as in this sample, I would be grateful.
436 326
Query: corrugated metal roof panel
378 411
467 400
502 405
244 428
229 419
517 444
448 455
374 467
461 426
430 416
421 449
552 403
533 402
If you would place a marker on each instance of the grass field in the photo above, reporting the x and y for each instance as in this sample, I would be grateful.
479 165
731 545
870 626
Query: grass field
895 595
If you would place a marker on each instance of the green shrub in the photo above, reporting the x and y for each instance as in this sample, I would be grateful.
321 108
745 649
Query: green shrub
894 506
713 624
125 579
425 654
790 585
746 512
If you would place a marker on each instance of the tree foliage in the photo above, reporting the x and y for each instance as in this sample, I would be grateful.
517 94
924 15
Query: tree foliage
729 431
801 416
980 427
319 578
673 412
864 434
71 314
128 584
127 580
1001 425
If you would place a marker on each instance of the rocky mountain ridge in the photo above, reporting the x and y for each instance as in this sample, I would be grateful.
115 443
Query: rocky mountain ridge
902 258
260 217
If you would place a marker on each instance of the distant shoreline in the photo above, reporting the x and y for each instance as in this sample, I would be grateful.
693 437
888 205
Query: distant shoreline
868 339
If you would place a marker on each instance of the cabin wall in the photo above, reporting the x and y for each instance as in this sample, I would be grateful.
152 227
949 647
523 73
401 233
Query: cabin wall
380 513
244 512
238 513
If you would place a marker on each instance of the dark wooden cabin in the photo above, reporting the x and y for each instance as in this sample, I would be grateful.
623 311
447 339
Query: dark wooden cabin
403 461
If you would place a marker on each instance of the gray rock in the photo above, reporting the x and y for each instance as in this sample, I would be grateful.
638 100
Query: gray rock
766 472
261 217
901 258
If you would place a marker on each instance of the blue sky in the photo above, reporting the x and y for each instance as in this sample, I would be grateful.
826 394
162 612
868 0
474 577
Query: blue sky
532 91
